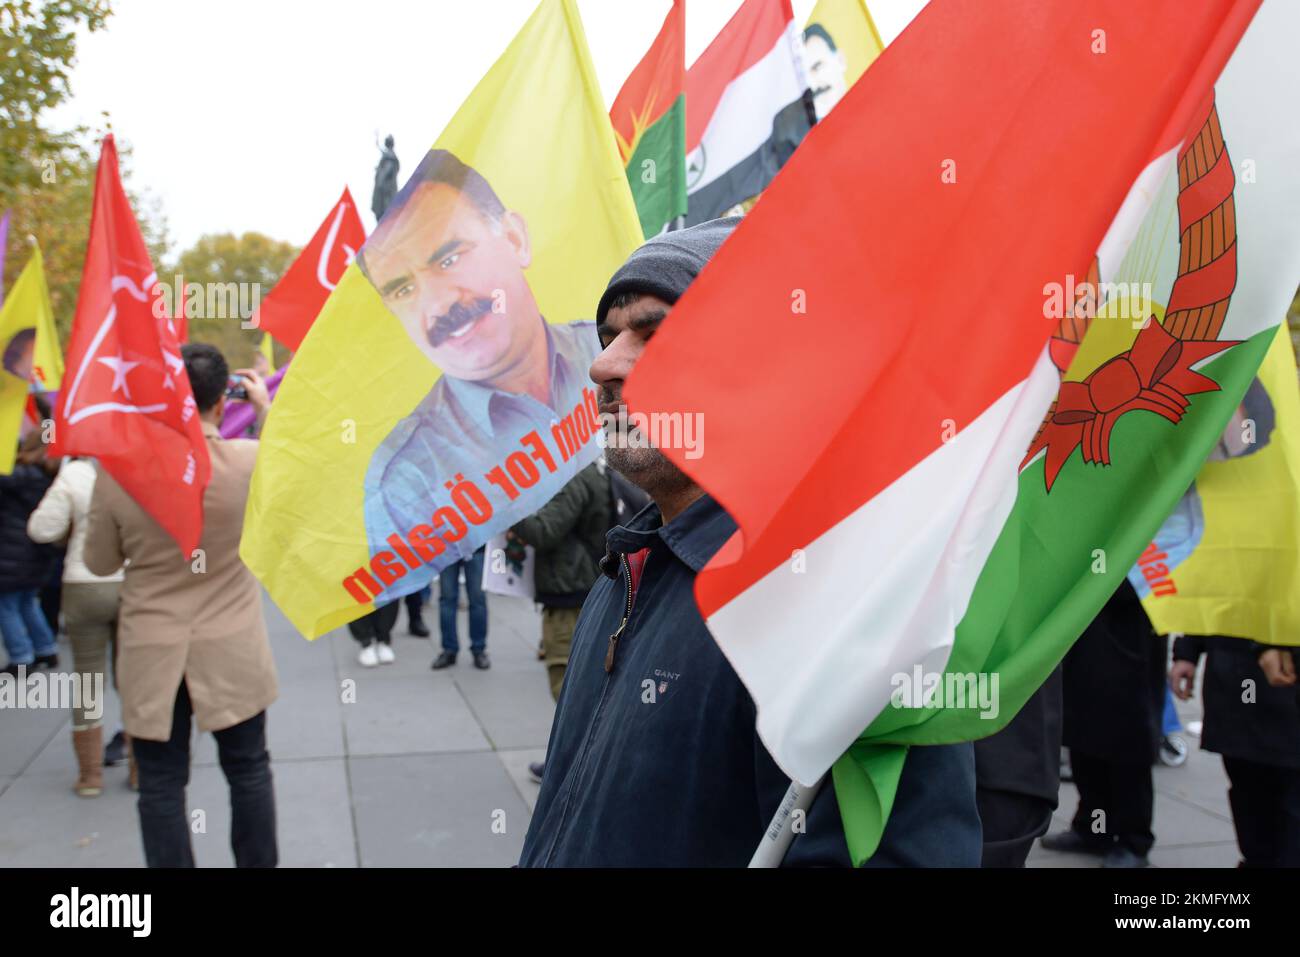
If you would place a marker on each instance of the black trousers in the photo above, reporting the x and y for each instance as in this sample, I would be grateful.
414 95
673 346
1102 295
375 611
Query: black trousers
414 606
1011 823
165 773
1265 804
376 626
1124 792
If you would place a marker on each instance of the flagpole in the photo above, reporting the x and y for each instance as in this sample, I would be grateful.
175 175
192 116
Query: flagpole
776 839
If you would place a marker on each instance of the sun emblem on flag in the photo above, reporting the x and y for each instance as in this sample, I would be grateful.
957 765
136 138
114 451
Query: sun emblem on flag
1155 373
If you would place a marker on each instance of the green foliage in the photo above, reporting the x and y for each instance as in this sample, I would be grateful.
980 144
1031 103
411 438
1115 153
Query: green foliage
225 258
38 45
47 177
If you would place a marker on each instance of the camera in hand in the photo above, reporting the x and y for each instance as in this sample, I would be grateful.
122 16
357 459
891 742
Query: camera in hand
235 388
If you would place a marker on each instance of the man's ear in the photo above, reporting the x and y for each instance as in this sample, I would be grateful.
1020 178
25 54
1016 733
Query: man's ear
516 232
219 410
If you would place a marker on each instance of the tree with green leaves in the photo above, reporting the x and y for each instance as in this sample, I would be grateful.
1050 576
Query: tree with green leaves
38 45
47 176
253 261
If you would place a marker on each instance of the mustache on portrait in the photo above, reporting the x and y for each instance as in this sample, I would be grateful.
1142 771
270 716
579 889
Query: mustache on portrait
606 396
460 315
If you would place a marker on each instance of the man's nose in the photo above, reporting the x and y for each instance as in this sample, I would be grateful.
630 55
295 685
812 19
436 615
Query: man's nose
616 361
435 299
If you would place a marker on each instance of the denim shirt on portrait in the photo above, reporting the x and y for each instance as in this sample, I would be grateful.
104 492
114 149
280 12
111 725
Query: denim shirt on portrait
465 428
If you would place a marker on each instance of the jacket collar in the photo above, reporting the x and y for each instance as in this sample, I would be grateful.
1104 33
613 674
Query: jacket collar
694 536
476 399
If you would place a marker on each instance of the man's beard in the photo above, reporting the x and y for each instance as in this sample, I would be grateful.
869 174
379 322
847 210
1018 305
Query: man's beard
456 318
634 458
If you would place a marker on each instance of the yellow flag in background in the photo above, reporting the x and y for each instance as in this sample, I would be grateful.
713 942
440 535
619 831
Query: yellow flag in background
840 42
442 394
267 349
29 352
1227 561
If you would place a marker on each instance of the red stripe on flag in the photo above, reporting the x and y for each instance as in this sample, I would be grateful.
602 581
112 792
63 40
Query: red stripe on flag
748 37
654 84
924 298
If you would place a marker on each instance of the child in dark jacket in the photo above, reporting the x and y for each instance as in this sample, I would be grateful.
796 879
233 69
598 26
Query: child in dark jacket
24 565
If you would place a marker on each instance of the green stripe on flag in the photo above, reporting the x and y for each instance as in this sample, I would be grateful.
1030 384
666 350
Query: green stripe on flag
1038 590
657 170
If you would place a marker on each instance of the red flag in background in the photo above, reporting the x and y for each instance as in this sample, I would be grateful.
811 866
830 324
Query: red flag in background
126 398
181 322
292 306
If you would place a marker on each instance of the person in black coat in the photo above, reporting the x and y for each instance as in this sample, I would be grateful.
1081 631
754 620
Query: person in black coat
1018 777
1114 683
24 565
1256 728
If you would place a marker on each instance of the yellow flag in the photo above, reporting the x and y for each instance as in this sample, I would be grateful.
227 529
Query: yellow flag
840 42
267 349
443 392
1227 561
31 353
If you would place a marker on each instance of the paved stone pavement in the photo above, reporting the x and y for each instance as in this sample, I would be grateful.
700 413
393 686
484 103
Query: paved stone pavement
1192 821
423 768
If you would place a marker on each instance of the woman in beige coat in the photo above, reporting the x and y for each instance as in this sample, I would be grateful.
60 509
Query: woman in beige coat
89 611
192 644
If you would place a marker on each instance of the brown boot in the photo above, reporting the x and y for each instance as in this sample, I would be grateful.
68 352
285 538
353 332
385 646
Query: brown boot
133 769
88 743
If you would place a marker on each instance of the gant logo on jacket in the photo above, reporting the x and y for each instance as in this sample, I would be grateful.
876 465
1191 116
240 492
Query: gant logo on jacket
653 688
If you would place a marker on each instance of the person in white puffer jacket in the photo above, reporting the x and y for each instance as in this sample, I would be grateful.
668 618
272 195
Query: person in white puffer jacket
89 610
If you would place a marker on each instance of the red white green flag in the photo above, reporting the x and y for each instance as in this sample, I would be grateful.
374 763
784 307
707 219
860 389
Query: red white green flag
649 117
979 337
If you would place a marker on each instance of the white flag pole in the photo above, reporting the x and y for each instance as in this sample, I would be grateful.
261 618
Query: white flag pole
791 817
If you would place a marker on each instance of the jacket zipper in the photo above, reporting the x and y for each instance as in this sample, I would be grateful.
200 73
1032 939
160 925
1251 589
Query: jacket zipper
613 639
600 708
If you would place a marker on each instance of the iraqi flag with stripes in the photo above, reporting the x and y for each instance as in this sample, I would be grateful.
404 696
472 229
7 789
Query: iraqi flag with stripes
969 351
747 109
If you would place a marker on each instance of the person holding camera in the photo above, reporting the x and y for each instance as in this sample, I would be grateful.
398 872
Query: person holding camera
192 642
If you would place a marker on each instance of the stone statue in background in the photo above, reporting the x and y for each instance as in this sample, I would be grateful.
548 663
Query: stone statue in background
385 180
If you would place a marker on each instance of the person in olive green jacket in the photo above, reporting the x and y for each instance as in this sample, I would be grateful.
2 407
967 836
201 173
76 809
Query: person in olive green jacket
568 538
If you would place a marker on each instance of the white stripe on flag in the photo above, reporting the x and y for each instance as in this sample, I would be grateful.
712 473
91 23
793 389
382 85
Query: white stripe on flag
883 590
742 121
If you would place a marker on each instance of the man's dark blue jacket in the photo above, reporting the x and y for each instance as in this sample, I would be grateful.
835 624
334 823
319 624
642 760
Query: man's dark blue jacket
656 763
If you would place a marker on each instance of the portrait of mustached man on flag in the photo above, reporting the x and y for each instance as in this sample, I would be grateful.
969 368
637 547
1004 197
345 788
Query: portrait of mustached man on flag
442 395
448 259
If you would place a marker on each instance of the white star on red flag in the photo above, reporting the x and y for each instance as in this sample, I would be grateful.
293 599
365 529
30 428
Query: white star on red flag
120 368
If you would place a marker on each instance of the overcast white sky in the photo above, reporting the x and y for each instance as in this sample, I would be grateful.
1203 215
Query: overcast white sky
252 114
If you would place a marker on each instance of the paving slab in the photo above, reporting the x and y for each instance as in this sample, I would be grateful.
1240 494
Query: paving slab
437 810
313 815
401 766
44 824
516 765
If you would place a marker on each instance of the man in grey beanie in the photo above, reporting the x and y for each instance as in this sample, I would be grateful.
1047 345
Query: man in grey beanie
653 759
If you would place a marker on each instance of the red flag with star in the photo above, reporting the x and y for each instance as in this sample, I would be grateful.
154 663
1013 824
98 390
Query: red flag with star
126 399
297 299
